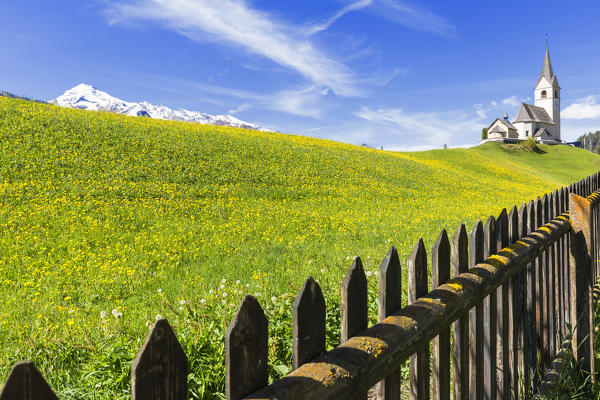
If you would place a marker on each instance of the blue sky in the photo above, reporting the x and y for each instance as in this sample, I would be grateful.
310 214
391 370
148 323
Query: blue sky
402 75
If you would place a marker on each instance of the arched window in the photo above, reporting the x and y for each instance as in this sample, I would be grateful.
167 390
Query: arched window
556 93
543 94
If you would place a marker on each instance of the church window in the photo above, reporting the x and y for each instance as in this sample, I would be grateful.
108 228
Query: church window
556 93
544 94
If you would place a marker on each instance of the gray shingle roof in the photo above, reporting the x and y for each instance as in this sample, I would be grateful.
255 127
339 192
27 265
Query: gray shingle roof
540 132
507 124
529 113
504 122
497 129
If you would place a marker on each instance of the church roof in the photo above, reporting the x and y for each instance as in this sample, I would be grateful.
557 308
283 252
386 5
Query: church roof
547 71
497 128
540 132
529 113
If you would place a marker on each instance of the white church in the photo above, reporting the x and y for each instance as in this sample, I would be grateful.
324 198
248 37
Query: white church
540 121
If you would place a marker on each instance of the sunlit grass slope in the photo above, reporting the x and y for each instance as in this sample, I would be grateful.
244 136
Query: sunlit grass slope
133 217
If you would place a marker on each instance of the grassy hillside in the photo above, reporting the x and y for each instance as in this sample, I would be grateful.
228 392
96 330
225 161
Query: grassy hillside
105 215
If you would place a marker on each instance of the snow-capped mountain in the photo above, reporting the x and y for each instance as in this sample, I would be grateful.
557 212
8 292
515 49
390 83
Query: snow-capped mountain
88 97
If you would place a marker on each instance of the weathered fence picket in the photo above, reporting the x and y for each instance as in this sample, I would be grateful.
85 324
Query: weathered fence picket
390 301
160 369
503 366
522 322
460 329
514 311
26 383
509 291
440 273
476 256
417 287
490 319
308 325
246 350
353 303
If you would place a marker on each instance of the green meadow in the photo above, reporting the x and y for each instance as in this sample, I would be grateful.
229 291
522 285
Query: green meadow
108 222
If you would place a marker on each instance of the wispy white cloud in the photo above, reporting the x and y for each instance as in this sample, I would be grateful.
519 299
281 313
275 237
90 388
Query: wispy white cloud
414 17
400 12
357 5
302 101
481 111
584 108
511 101
432 128
236 23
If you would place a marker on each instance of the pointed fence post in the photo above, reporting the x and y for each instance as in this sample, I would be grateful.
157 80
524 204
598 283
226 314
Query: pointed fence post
440 273
554 283
308 328
539 294
490 318
26 383
246 350
566 260
476 336
353 304
514 309
523 321
548 306
160 369
558 288
390 301
502 331
417 287
581 284
532 316
460 329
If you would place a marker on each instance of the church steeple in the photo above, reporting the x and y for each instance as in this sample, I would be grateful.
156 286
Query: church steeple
547 67
547 71
547 94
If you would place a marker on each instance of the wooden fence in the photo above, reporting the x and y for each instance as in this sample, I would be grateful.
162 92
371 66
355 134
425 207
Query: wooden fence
502 300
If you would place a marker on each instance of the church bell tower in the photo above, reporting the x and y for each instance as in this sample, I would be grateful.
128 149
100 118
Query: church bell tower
547 94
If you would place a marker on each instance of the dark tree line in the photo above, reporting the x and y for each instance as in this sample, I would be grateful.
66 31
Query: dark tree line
591 141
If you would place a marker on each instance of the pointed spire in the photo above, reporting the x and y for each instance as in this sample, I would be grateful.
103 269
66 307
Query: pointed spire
547 67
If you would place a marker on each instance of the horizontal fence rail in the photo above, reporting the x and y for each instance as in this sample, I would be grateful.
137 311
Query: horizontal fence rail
503 301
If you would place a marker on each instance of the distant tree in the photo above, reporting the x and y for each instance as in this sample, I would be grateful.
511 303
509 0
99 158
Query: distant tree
484 133
590 141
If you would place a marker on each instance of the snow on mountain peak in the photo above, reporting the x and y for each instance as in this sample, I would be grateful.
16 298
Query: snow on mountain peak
88 97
